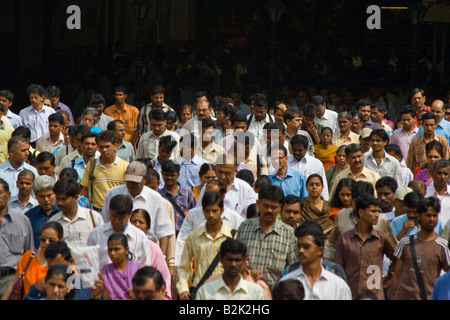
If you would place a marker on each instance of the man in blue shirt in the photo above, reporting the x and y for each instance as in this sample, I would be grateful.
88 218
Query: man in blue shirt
290 180
442 126
189 162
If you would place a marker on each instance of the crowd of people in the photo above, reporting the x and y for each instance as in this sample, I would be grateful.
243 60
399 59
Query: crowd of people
313 197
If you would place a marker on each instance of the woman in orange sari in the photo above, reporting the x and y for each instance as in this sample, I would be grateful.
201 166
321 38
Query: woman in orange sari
325 151
342 198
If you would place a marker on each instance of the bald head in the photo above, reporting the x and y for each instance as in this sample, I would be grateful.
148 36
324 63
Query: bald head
437 107
202 110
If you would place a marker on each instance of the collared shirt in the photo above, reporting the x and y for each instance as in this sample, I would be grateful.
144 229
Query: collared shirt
137 242
417 154
442 129
294 182
68 158
329 119
79 228
143 122
36 121
357 255
256 127
189 170
269 252
403 139
9 174
201 247
62 106
218 290
128 115
5 134
44 143
211 152
195 218
345 221
339 140
308 166
14 119
126 151
16 239
371 125
244 109
397 226
38 218
63 151
149 200
79 165
327 287
389 166
105 179
307 135
444 199
103 121
230 140
184 198
365 175
238 197
14 205
149 144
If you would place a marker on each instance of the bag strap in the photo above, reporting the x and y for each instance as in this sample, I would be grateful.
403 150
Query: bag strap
416 268
92 163
213 264
92 218
175 204
33 253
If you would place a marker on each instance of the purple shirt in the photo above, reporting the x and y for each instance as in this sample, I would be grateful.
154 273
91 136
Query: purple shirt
62 106
403 140
423 175
118 283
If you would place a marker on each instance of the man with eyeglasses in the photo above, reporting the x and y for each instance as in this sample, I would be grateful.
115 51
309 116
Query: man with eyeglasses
16 238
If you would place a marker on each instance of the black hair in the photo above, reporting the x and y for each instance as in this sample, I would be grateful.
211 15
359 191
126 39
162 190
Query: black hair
97 99
67 186
157 89
361 103
379 105
309 110
7 94
395 149
429 116
146 273
430 202
107 136
81 128
289 289
58 117
291 199
168 143
318 100
211 198
260 100
311 228
314 175
233 246
381 133
219 183
208 122
416 91
300 139
121 204
45 156
121 88
145 214
26 172
68 173
58 247
22 132
112 124
272 193
252 211
262 181
37 89
345 182
387 181
170 166
412 199
15 140
122 238
364 201
239 117
352 148
206 167
171 115
4 184
366 294
434 145
157 114
408 110
246 175
52 225
360 187
52 91
90 134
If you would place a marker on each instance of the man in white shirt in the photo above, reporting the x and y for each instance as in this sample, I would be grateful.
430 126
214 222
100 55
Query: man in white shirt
325 117
195 217
440 188
77 222
301 161
259 117
121 208
142 198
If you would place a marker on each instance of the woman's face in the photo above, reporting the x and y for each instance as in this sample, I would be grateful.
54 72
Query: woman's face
208 176
117 252
314 187
47 236
89 120
56 287
325 137
432 157
186 115
340 158
345 195
138 220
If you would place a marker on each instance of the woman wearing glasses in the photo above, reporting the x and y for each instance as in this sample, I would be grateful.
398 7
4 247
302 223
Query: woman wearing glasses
37 268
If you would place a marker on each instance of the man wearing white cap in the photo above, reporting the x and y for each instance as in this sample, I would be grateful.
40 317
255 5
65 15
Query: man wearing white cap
143 198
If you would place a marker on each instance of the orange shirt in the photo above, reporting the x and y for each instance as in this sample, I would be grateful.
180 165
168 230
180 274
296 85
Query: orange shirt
129 115
34 272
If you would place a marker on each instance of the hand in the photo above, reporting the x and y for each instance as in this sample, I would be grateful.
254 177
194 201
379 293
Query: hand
185 296
409 224
131 294
99 286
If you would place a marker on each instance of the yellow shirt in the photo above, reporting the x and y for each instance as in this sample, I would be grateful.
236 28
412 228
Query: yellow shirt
105 179
5 135
201 247
366 175
129 115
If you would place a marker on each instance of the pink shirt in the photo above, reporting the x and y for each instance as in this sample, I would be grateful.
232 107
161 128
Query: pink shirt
158 262
403 140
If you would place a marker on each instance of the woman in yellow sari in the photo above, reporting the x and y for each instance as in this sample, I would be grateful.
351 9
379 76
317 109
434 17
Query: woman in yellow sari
206 173
325 151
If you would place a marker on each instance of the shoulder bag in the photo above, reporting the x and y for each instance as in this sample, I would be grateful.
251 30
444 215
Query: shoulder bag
423 295
91 179
18 291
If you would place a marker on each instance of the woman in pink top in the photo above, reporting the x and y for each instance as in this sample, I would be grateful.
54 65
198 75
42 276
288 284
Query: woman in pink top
140 218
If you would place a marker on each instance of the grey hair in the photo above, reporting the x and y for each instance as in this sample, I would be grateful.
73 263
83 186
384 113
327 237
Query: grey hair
93 111
43 183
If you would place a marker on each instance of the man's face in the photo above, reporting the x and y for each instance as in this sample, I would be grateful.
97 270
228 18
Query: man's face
170 178
120 97
279 116
36 100
365 143
307 250
207 134
356 125
260 113
365 111
437 108
441 176
298 151
386 196
54 101
4 197
212 214
157 126
320 111
135 188
106 149
279 159
429 125
236 97
202 110
239 126
428 220
407 121
118 222
268 210
120 129
153 184
446 113
377 116
225 173
411 213
46 199
100 107
418 101
344 124
290 214
376 143
148 291
232 264
356 160
25 185
157 100
294 124
65 203
20 153
89 147
301 98
54 128
335 99
163 154
46 168
370 215
6 103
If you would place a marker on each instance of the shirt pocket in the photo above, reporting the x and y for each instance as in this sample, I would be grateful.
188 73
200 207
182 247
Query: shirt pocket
15 242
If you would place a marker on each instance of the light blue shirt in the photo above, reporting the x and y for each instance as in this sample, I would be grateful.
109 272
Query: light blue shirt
189 170
79 166
15 120
293 183
14 205
126 151
442 129
9 174
36 121
397 226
